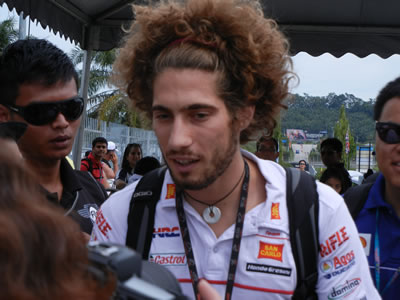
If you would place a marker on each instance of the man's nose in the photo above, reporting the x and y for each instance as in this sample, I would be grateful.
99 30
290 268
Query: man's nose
60 121
181 135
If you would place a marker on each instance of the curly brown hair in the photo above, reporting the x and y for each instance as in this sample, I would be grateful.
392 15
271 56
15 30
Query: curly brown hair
229 37
43 255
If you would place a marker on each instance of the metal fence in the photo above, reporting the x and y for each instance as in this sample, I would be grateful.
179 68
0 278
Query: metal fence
121 135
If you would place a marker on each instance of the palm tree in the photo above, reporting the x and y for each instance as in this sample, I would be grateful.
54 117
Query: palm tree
106 102
8 33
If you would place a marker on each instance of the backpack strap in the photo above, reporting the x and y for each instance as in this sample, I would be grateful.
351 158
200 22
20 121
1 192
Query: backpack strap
89 162
356 197
303 210
142 209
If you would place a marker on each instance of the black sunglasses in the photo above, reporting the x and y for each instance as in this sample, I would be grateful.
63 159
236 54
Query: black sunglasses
41 113
388 132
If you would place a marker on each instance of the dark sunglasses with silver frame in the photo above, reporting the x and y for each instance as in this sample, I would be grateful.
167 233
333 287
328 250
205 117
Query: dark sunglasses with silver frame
388 132
42 113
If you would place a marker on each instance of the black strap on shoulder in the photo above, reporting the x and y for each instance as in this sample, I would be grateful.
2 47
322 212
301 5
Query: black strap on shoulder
142 210
90 164
303 209
356 197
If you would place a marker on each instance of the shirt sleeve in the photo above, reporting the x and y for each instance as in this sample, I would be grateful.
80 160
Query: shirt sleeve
122 175
112 217
343 269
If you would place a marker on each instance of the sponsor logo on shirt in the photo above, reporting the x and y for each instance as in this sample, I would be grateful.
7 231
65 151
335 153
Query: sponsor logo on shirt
89 211
344 290
271 233
168 259
337 265
170 191
271 251
102 224
334 241
268 269
275 211
166 232
365 239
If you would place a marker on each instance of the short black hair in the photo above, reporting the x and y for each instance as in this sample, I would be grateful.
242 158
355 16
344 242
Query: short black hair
390 91
32 61
301 161
99 140
333 172
335 143
146 164
265 139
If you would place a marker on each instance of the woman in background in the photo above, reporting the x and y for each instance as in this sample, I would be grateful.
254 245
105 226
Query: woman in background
132 154
303 165
334 178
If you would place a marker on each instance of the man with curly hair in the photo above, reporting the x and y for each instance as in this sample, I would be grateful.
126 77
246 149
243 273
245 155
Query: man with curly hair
211 75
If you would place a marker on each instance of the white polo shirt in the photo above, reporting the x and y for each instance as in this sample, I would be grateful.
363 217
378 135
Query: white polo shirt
266 267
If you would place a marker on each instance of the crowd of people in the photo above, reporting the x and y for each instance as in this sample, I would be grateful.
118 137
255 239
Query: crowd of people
211 75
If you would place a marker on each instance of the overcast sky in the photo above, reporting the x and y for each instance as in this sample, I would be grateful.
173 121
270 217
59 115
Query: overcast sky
318 76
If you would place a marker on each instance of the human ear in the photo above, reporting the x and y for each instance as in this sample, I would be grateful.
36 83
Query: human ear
245 116
5 115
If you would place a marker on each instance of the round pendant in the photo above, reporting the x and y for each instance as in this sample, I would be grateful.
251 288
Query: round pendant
211 214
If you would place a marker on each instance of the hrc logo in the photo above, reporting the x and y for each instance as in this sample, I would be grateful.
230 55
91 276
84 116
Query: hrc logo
166 232
275 211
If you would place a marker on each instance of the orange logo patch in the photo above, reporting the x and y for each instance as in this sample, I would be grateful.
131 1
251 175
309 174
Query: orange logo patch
170 191
363 242
275 211
271 251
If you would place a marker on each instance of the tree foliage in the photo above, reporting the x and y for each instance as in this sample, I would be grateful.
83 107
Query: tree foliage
105 101
8 33
342 128
321 113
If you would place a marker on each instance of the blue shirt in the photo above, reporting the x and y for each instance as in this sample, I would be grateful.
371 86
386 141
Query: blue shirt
389 238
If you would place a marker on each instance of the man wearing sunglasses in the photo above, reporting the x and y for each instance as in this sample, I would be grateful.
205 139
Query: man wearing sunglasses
38 85
267 148
376 206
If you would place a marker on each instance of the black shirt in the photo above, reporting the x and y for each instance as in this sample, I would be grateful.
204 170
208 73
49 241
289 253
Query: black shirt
81 197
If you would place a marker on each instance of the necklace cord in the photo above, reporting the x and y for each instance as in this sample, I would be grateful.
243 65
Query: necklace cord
224 197
237 237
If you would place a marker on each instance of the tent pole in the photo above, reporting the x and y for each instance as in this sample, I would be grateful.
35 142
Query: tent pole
77 149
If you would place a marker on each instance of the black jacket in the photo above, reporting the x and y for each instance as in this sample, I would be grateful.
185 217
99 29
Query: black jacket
81 197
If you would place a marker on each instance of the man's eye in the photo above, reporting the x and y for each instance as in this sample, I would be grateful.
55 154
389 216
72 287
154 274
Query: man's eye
201 115
161 116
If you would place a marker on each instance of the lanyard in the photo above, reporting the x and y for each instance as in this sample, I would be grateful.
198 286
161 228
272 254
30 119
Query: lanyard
235 243
378 261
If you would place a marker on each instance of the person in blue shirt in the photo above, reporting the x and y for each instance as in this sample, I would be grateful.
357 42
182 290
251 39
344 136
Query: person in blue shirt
378 220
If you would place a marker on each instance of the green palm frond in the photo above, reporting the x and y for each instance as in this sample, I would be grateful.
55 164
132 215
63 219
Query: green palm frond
105 101
8 33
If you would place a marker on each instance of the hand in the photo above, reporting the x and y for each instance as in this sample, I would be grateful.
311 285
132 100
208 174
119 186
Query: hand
114 159
207 292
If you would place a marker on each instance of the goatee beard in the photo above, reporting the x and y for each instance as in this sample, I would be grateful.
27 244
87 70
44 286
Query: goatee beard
218 165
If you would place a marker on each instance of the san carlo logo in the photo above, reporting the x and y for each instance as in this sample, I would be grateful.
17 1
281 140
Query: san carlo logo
345 289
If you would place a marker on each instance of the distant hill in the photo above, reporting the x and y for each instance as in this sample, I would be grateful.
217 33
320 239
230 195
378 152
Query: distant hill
321 113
